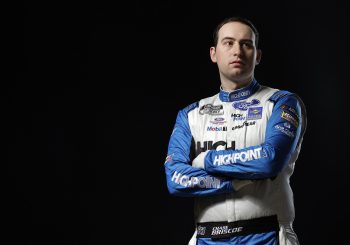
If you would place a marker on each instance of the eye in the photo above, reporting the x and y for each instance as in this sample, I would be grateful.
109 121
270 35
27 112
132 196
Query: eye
247 45
228 43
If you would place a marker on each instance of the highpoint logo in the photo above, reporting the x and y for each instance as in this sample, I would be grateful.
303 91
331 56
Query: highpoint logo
242 156
202 182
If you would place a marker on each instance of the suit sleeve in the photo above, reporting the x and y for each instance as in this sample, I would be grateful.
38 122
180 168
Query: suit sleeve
283 137
182 178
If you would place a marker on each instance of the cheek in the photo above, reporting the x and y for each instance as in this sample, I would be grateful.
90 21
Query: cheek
251 55
221 57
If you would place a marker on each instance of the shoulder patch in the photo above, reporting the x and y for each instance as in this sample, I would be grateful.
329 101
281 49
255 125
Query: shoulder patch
290 118
290 110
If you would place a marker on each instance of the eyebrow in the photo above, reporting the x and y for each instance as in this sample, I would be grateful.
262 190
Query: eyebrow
231 38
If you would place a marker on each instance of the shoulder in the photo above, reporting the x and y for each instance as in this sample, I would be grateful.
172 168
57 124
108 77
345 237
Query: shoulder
276 95
291 105
284 96
200 104
190 107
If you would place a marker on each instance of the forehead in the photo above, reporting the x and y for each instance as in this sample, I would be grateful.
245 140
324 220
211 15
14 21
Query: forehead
236 30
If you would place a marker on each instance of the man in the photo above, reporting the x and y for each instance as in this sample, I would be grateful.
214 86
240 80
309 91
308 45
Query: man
235 151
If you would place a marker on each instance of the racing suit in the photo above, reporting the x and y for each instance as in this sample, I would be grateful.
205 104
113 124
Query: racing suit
235 152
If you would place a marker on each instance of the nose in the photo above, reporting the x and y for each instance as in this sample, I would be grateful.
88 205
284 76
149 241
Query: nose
236 49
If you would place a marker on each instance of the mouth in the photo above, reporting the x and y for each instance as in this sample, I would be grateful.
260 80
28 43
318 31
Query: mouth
237 64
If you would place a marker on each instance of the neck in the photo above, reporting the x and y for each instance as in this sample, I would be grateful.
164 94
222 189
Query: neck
230 85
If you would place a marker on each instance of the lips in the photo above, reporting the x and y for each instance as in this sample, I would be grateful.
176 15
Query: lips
239 62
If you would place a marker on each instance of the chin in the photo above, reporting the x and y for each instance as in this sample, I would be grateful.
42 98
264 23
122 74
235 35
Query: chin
238 76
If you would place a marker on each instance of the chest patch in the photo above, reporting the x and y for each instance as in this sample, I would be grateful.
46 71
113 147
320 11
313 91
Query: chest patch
254 113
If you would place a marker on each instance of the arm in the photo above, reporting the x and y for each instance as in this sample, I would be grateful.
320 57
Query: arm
284 131
182 178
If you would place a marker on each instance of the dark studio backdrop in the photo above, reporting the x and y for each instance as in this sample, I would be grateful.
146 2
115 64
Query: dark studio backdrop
95 98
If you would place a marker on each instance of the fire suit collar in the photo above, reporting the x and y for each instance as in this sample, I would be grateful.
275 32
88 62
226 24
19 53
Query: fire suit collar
239 94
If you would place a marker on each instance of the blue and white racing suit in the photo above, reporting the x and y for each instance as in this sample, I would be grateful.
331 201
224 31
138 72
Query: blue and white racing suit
235 152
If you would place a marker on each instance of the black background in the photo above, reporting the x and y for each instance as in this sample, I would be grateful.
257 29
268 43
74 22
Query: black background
96 92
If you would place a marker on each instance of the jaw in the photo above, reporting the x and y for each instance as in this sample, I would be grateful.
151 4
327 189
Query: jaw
238 74
240 77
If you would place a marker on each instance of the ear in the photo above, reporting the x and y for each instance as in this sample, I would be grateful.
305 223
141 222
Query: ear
213 54
258 56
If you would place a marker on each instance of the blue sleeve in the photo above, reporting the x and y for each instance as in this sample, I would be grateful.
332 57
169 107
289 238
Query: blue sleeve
284 131
182 178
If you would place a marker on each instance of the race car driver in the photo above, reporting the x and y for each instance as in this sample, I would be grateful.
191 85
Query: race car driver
235 151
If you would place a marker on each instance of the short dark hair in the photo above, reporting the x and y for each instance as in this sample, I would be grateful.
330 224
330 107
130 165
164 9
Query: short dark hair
235 19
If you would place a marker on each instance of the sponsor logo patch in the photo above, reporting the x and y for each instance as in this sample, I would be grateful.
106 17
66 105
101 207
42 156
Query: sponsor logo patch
254 113
210 145
218 120
245 124
211 109
223 230
201 230
239 94
285 130
244 105
210 128
237 117
290 109
290 118
202 182
242 156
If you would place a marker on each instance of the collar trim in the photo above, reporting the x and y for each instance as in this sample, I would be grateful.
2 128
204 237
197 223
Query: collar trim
239 94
